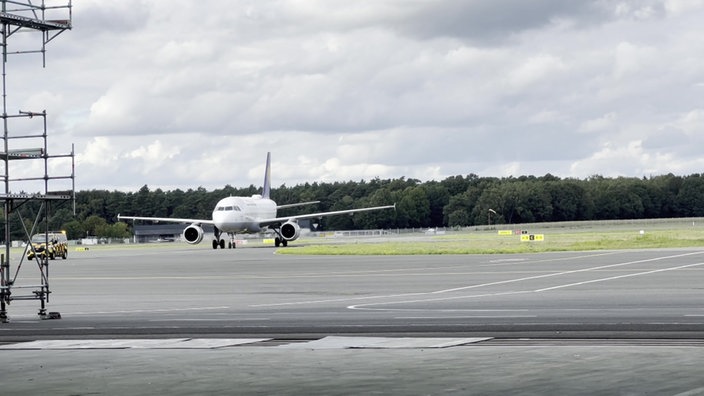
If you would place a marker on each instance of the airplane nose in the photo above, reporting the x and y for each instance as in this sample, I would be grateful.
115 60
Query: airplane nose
220 218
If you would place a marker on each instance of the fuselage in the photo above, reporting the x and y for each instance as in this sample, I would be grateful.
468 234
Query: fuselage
243 214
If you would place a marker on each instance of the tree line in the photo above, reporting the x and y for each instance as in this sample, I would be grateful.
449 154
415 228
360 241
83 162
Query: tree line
456 201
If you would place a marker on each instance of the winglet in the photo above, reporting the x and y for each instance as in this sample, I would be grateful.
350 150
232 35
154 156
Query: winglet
266 190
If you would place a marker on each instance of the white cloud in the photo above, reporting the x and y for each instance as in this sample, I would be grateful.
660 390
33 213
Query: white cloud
99 152
677 7
638 10
535 69
546 117
630 159
604 123
155 153
691 123
631 59
353 90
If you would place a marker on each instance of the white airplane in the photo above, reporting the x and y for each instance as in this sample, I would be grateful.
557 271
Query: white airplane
241 215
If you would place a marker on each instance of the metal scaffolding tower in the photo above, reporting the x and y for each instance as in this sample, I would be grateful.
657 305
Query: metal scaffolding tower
31 151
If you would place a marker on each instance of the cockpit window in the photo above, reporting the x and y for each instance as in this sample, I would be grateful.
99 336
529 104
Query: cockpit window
228 208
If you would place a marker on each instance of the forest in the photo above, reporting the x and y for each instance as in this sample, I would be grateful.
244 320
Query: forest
456 201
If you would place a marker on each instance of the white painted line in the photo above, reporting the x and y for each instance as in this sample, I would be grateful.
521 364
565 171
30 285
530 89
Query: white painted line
348 299
563 273
692 392
213 343
93 344
495 263
139 311
150 343
169 343
367 306
335 342
208 320
618 277
445 291
466 317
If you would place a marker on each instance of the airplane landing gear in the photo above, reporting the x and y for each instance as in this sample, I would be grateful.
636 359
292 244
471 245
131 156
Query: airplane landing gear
220 243
279 240
217 242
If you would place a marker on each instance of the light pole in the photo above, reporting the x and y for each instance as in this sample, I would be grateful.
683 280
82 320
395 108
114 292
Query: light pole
489 215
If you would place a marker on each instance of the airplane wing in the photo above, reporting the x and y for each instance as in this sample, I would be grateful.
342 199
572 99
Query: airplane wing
279 220
297 204
166 219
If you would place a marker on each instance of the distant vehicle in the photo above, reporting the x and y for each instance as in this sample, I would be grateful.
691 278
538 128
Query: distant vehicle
253 214
57 246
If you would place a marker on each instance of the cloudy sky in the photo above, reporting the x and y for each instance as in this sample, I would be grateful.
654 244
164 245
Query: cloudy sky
182 93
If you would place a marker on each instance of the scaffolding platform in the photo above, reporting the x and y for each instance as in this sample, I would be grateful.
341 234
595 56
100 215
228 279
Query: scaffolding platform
35 24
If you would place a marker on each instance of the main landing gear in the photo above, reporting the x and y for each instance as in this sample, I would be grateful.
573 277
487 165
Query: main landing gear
279 240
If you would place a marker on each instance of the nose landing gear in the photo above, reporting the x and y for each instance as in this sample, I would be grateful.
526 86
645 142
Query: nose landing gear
220 243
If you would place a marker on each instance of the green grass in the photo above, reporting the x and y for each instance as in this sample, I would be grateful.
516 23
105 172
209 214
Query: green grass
491 243
575 237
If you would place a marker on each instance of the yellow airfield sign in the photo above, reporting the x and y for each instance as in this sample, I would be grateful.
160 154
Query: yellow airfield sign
532 237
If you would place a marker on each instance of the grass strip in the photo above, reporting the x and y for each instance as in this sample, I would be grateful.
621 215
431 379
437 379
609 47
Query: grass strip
487 243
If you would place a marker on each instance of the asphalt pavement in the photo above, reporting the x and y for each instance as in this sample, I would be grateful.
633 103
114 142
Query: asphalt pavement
189 320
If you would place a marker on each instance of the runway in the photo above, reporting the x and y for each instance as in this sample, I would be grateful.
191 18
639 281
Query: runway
182 291
190 320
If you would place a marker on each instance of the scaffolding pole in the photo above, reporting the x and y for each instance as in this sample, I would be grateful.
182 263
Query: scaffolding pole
49 19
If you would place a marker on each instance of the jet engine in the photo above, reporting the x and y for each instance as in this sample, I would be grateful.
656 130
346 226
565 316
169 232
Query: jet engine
193 234
290 231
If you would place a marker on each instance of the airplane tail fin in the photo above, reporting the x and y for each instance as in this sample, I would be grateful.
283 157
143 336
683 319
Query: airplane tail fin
266 190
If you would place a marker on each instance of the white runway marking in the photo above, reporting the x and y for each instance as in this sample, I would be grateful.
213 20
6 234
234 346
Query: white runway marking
693 392
445 291
209 320
344 299
367 306
331 342
336 342
562 273
619 277
465 317
168 343
140 311
497 262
